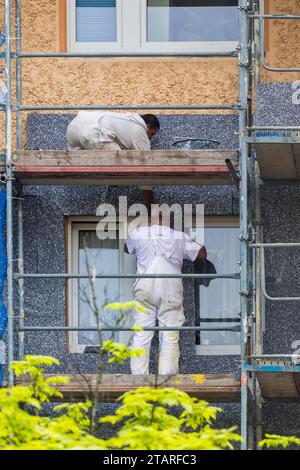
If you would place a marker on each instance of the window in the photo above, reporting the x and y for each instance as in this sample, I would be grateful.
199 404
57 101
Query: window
191 21
96 21
221 299
152 25
87 255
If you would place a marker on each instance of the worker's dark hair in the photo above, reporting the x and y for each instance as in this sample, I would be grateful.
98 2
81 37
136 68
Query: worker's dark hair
151 120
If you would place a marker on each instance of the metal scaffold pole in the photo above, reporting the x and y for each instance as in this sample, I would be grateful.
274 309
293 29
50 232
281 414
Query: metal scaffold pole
259 299
21 280
20 200
18 74
243 95
259 305
9 189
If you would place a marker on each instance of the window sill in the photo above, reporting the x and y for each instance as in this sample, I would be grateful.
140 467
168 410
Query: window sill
156 48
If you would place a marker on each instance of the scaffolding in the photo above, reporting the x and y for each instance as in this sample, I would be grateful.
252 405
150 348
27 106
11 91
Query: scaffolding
261 375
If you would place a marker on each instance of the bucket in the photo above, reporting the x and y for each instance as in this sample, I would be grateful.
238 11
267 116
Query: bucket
195 144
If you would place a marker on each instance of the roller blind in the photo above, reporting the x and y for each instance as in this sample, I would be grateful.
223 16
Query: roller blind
96 21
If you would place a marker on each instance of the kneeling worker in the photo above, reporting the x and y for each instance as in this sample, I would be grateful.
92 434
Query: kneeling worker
96 130
160 250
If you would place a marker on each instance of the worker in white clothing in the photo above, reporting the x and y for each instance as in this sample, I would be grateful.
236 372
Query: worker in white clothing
94 130
160 250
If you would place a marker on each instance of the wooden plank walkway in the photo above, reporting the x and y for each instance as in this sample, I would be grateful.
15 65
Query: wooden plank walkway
282 386
124 167
215 387
278 161
275 386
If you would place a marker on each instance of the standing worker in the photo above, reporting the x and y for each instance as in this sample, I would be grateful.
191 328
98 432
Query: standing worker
94 130
160 250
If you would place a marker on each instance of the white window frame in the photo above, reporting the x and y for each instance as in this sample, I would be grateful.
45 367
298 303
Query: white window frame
219 349
132 34
74 225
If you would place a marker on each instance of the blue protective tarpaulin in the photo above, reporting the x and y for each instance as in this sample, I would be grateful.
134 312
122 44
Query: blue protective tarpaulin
2 39
3 267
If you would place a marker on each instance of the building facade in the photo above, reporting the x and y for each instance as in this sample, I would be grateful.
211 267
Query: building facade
57 218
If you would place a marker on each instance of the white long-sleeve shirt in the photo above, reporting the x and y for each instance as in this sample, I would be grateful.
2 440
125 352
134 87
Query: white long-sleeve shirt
129 130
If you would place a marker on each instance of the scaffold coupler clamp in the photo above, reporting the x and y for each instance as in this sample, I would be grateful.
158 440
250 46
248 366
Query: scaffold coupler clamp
246 238
246 7
3 178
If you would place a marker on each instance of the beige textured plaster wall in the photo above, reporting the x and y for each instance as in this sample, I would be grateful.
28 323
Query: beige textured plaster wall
119 81
134 81
115 81
284 41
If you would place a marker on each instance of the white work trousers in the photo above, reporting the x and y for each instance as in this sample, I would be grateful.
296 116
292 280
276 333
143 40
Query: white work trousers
84 136
164 300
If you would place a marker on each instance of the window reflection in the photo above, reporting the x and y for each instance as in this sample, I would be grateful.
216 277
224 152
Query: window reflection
189 21
221 299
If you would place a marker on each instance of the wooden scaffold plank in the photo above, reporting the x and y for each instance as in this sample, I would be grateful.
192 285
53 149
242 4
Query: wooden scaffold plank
124 167
211 387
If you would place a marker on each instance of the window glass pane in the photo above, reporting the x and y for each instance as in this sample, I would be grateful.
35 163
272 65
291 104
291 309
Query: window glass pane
221 299
96 256
103 257
192 20
96 21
